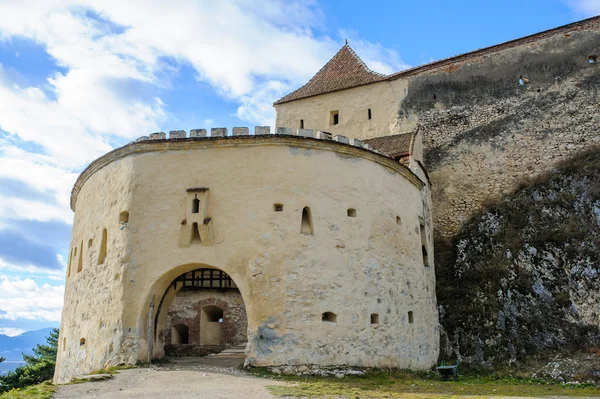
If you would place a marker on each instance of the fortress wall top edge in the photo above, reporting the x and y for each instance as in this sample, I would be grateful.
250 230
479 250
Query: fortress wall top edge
199 139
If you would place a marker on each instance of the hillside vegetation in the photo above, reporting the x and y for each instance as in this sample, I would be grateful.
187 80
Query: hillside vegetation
522 278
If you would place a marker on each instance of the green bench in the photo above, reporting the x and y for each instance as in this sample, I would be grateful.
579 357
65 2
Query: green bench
448 371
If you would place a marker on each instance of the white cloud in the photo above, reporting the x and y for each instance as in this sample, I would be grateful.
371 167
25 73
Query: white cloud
115 54
11 332
34 271
378 58
586 8
25 299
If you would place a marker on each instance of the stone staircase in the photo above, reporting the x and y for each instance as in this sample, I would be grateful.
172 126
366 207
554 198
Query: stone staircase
235 352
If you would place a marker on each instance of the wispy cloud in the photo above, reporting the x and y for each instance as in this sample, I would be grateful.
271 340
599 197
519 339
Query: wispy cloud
111 62
585 8
25 299
111 54
11 332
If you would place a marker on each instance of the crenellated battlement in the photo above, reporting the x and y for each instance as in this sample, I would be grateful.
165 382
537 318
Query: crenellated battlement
218 132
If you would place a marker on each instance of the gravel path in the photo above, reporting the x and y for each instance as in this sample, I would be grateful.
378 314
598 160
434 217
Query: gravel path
157 383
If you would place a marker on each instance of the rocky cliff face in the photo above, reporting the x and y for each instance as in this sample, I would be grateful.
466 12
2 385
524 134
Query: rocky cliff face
522 278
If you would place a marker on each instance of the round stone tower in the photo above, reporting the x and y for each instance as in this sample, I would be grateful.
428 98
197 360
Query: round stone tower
314 250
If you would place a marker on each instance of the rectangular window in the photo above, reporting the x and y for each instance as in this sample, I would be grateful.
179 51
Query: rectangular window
301 123
369 113
334 118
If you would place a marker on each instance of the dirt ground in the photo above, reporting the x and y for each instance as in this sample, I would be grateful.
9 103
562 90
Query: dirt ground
158 383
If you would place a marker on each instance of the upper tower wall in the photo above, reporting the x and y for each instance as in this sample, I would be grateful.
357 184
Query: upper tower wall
488 119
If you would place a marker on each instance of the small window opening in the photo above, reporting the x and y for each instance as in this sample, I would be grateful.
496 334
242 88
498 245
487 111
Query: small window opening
351 212
592 59
434 97
301 123
369 112
374 318
75 253
102 254
80 263
329 317
411 318
64 348
424 244
70 261
124 217
90 242
82 342
214 314
195 205
278 207
334 117
306 227
180 334
398 220
195 233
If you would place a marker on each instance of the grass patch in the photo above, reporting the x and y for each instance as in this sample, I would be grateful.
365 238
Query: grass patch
401 384
45 390
114 369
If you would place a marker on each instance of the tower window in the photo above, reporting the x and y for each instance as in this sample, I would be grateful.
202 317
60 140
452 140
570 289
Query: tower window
334 117
195 238
82 342
80 263
369 112
102 255
411 318
329 317
301 123
424 244
398 220
374 318
124 217
306 226
351 212
278 207
195 205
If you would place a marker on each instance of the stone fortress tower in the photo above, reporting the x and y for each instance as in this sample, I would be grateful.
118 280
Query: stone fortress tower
313 249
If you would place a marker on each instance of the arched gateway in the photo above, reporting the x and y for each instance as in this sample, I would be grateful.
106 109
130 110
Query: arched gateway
202 311
296 236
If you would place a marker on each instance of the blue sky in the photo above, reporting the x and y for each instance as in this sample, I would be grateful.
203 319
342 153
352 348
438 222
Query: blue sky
80 77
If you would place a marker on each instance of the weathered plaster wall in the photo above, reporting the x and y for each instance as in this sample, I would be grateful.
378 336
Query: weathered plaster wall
352 266
94 296
383 98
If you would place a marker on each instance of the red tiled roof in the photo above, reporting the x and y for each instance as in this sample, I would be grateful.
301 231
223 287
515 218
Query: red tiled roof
394 145
343 71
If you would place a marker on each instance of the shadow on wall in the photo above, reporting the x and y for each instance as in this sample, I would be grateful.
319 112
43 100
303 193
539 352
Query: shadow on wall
520 278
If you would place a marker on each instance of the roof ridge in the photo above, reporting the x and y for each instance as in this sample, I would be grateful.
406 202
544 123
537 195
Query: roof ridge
496 47
361 62
344 70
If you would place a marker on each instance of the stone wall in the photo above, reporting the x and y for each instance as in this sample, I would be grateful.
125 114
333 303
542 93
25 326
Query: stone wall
186 309
360 257
485 133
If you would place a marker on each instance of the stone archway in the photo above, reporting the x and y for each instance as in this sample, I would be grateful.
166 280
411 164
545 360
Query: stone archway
209 303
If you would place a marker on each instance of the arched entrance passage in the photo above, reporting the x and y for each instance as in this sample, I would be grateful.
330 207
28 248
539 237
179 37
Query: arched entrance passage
193 299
